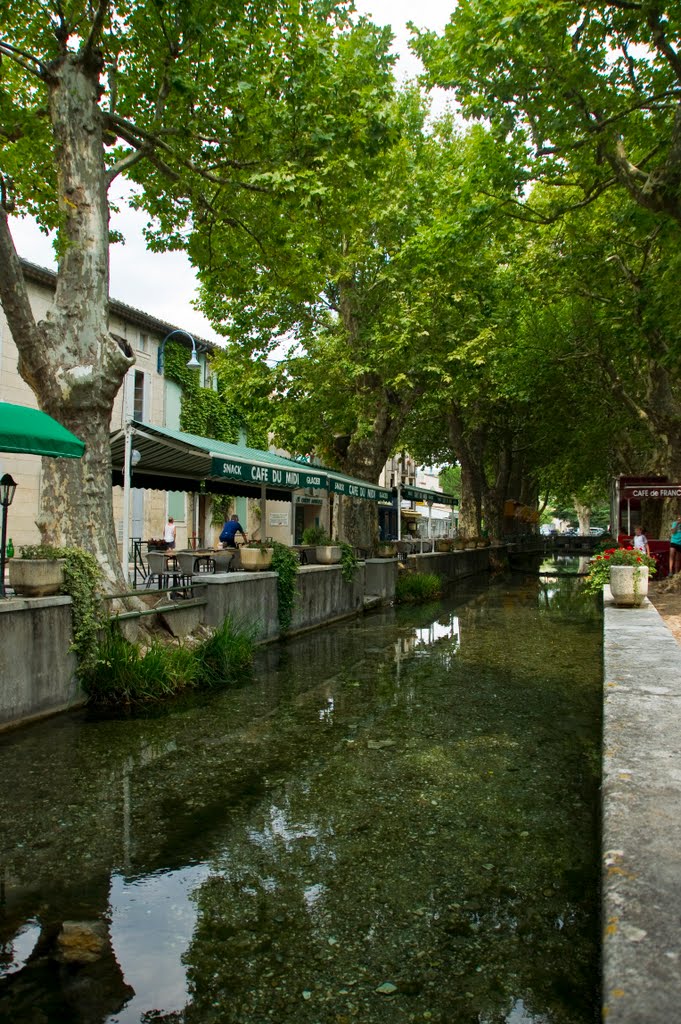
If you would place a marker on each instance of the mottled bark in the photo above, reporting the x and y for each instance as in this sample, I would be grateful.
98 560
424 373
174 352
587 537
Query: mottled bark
467 449
583 515
70 360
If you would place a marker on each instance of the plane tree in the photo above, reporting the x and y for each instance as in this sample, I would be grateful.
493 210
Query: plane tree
581 95
216 113
356 319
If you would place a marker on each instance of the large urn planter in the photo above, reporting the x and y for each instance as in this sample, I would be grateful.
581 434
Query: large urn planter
386 550
256 559
443 545
328 554
36 577
628 585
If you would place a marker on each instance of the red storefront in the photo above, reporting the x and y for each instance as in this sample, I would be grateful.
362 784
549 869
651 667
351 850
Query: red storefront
628 494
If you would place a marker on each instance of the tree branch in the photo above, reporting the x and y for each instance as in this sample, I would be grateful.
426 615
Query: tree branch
95 33
25 60
13 293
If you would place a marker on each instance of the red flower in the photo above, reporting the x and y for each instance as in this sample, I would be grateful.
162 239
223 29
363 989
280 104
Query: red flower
606 557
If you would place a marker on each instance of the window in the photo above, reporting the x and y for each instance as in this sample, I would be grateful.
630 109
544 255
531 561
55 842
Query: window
138 402
143 342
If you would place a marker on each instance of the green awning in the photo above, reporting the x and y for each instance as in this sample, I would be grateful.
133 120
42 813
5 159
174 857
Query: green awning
423 494
175 460
32 432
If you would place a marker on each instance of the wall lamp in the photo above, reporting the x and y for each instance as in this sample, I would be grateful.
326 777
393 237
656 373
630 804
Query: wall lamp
193 363
7 488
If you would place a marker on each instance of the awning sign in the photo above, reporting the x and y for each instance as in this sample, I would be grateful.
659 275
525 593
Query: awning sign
419 494
251 473
658 491
357 490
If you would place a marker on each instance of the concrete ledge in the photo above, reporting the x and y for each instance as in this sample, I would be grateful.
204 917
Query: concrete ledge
37 669
641 867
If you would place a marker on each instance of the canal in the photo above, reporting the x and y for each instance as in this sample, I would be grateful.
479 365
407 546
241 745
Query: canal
395 819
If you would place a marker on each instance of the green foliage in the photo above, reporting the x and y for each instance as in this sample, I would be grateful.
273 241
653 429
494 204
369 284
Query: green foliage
82 580
349 563
204 411
123 674
599 567
285 564
226 656
315 535
221 508
33 551
417 587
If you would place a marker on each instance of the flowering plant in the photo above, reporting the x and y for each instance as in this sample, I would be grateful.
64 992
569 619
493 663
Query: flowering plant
599 567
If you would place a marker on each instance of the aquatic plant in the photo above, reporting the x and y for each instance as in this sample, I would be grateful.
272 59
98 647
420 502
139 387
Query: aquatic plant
415 587
124 673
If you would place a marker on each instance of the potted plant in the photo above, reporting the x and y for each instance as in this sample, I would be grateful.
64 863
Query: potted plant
442 544
386 549
39 572
458 544
256 555
627 572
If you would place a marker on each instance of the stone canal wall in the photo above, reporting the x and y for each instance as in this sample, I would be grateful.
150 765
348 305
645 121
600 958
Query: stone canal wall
37 671
641 811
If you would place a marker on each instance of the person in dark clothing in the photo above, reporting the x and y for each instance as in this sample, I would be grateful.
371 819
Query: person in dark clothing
229 532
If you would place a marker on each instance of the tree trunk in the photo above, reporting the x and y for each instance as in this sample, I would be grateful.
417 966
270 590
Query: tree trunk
583 515
70 360
466 447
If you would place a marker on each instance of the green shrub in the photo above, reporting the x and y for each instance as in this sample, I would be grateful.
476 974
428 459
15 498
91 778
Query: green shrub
416 587
124 674
316 535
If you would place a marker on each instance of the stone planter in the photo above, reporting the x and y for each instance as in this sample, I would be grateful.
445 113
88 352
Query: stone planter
458 545
328 554
628 585
36 577
443 545
255 559
386 551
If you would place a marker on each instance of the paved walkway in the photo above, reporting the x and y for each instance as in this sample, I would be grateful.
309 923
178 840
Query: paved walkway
641 818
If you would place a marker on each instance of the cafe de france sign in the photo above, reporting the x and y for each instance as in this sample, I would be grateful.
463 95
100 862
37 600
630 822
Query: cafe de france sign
658 491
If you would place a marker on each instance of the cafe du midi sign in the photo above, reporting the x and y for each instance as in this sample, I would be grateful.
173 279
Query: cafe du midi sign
251 473
293 479
659 491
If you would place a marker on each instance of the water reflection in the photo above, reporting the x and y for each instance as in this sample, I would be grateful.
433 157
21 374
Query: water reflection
406 800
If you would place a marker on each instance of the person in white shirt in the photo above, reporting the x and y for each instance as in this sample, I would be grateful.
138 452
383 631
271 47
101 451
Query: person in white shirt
641 541
169 533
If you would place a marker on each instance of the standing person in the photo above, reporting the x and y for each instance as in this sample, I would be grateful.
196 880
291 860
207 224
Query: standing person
169 533
641 541
229 532
675 547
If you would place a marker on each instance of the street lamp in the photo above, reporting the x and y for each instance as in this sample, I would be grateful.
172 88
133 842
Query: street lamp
429 502
7 489
193 363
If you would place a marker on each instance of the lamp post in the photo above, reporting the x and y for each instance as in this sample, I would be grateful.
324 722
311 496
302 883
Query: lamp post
7 489
429 503
193 363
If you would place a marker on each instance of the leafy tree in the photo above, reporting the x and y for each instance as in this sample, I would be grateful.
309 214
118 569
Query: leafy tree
357 309
589 93
218 114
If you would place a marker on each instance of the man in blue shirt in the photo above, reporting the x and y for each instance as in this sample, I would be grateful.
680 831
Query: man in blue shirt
229 532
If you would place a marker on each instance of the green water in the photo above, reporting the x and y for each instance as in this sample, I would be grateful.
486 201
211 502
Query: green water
395 820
